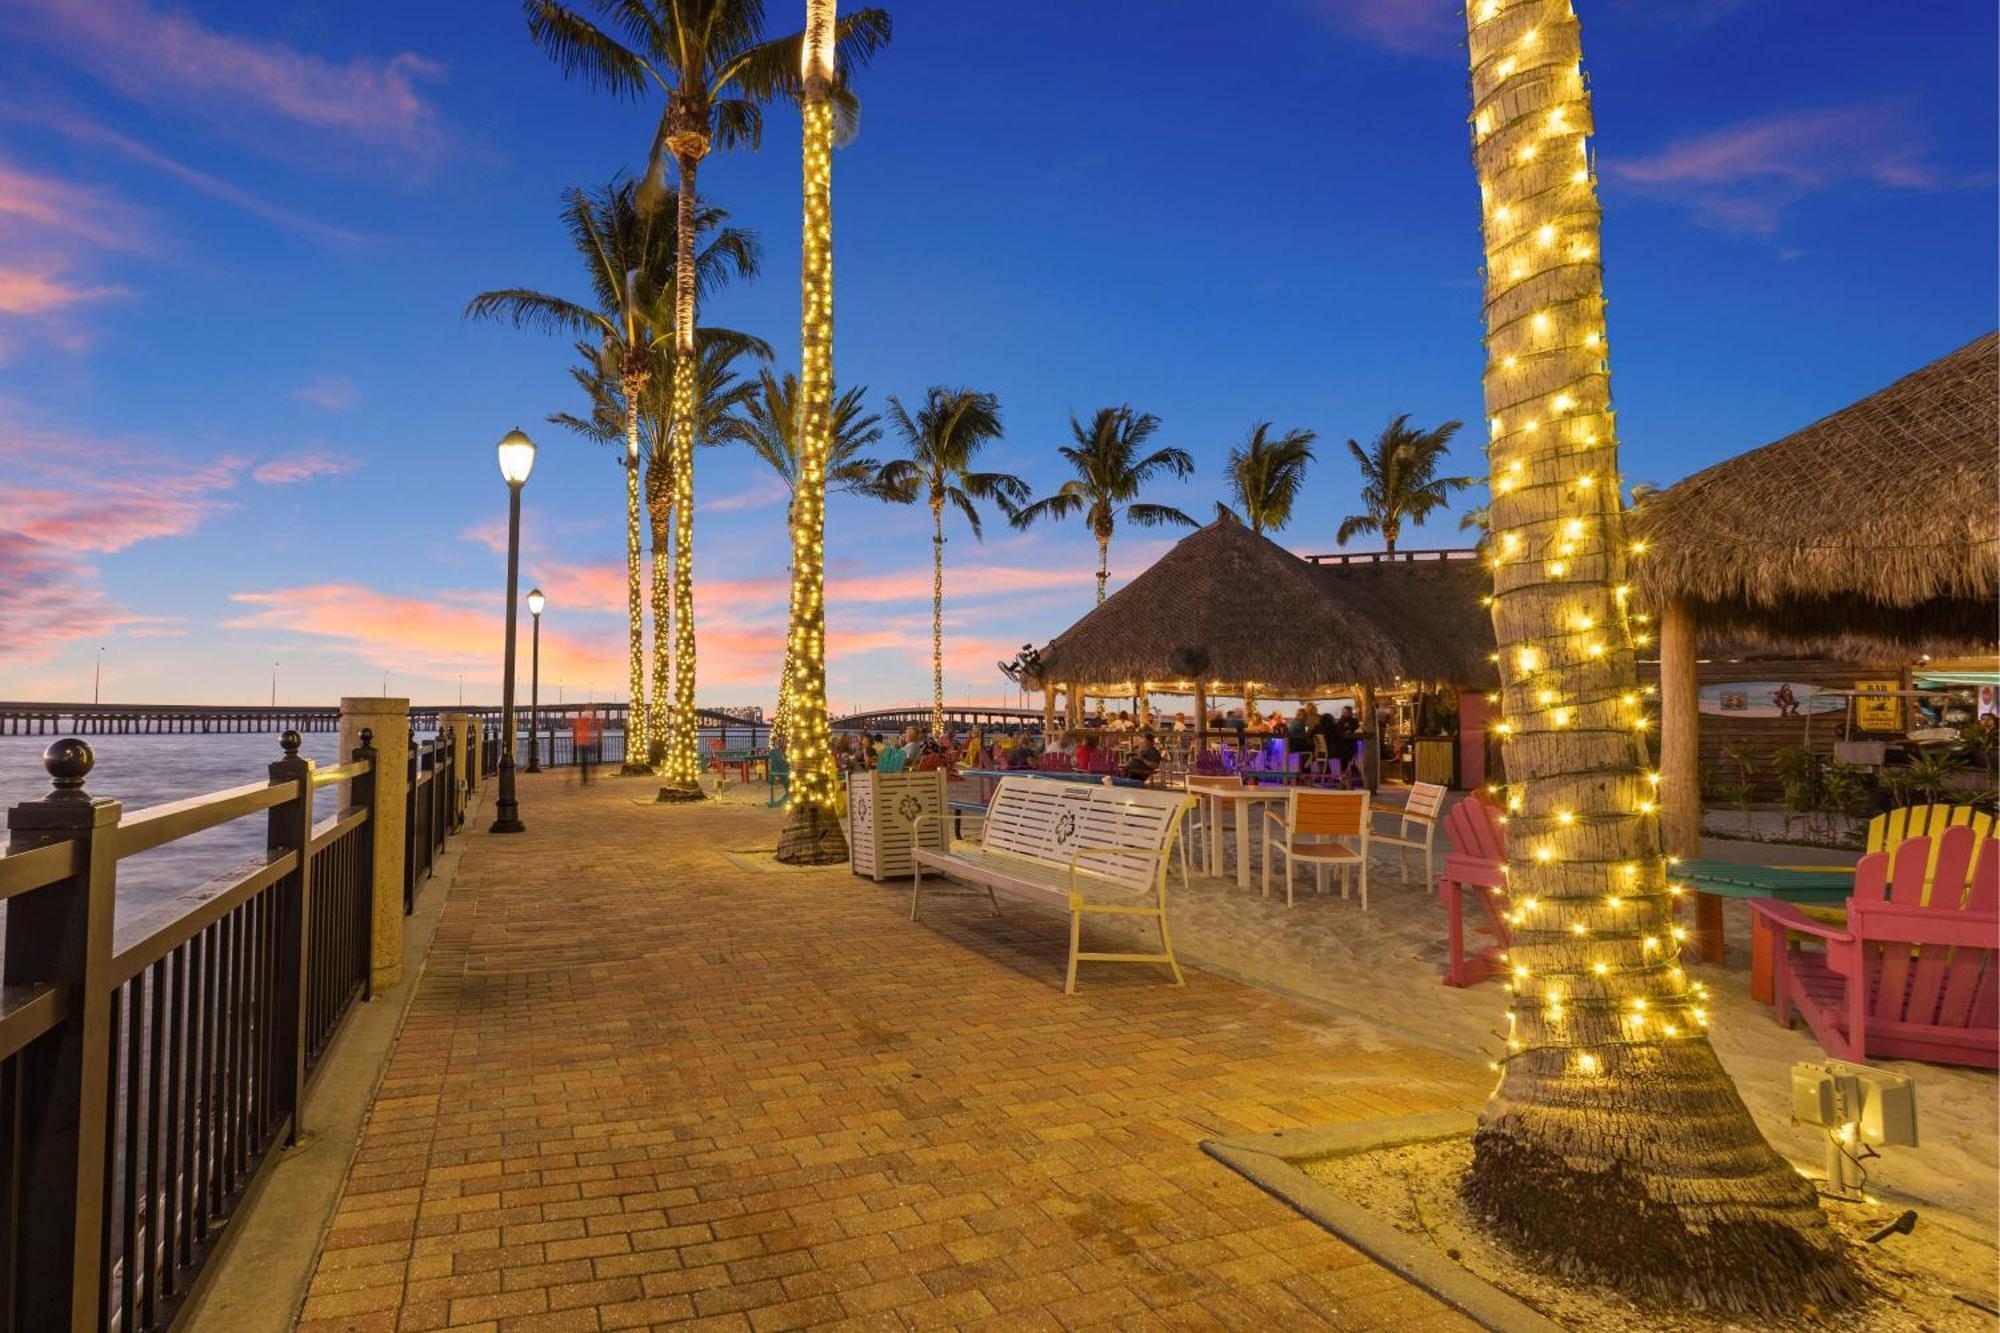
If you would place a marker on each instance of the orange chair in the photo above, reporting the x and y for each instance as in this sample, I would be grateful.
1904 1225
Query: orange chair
1322 828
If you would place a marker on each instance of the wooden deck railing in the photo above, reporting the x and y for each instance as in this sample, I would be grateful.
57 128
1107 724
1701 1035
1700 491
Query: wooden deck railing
147 1073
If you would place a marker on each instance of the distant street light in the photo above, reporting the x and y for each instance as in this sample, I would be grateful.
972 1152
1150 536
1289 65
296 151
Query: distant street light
535 604
517 459
274 684
97 677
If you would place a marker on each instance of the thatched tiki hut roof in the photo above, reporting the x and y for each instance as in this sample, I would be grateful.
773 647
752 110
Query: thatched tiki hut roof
1226 605
1879 522
1235 609
1877 525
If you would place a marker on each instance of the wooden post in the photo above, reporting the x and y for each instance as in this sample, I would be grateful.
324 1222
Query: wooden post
1200 717
60 935
388 722
1371 737
1680 734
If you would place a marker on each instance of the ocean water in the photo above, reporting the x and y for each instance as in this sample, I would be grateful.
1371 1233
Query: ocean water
143 771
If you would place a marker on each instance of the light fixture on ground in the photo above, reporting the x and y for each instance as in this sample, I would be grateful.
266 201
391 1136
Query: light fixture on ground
517 459
535 604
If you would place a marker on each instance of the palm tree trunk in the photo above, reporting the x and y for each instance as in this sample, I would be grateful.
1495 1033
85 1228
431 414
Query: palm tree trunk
812 835
937 617
656 746
782 716
1615 1146
681 780
636 729
1391 531
1103 566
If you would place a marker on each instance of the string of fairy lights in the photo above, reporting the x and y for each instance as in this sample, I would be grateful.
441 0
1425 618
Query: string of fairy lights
681 768
1594 955
808 738
636 717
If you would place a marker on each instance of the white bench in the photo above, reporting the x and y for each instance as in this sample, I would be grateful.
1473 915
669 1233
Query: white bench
1060 841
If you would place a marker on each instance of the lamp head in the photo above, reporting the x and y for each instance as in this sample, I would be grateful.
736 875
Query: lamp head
536 601
517 457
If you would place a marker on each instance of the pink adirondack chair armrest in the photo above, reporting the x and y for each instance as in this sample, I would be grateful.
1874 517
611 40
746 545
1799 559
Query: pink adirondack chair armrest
1784 916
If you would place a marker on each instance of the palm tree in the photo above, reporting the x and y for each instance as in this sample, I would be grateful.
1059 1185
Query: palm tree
1109 473
942 440
713 67
1402 485
630 259
768 425
1265 476
1615 1147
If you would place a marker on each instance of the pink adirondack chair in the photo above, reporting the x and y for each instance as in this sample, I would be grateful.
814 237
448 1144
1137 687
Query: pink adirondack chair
1905 979
1477 861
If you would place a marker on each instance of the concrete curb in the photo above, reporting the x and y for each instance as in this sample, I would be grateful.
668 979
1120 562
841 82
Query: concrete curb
1269 1161
258 1279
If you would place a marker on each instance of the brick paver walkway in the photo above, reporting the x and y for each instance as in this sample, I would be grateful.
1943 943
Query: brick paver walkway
641 1085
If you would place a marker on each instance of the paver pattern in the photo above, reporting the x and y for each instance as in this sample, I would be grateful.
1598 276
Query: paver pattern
641 1086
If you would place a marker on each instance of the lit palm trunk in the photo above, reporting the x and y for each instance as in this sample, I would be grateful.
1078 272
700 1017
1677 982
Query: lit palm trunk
937 614
1615 1144
659 496
636 730
681 767
812 833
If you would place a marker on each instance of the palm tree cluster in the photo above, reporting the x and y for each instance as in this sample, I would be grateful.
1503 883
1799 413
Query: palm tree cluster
656 384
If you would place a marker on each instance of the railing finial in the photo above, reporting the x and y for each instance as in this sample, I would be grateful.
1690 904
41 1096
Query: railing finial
290 743
69 762
367 738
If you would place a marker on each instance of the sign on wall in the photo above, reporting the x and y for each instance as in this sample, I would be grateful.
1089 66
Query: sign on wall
1881 714
1766 698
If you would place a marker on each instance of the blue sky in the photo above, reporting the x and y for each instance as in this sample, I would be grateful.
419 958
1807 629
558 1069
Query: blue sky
242 421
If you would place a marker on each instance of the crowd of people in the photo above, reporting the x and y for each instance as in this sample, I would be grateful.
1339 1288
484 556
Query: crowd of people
1121 746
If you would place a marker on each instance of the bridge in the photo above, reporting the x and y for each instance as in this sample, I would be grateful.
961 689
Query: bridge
886 720
103 719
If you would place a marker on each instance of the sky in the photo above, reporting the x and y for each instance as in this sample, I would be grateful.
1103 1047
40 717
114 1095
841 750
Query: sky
245 432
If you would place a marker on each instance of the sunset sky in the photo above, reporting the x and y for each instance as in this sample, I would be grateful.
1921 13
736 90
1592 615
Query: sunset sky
243 422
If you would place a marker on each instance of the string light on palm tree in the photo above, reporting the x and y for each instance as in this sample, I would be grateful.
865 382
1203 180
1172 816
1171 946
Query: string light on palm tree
1400 481
629 259
1109 474
713 69
1266 475
941 441
768 425
1612 1116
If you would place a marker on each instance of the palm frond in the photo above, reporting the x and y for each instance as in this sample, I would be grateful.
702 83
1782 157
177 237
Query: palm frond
583 50
1158 516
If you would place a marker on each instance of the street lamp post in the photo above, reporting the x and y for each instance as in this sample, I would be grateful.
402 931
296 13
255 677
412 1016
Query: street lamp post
97 676
274 684
517 460
535 604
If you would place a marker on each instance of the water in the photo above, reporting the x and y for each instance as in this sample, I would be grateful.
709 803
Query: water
144 771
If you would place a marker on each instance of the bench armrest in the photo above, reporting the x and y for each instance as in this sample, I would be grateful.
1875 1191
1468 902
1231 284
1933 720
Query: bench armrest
1785 916
934 817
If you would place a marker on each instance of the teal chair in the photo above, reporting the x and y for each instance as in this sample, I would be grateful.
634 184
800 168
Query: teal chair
891 760
778 776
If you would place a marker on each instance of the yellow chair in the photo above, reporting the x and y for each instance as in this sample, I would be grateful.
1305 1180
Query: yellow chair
1887 832
1321 828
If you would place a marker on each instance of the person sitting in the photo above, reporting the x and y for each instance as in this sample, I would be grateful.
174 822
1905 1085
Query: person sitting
1299 733
913 746
1021 754
1090 755
1145 761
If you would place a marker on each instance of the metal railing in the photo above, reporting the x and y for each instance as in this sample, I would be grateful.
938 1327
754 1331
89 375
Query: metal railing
144 1081
433 809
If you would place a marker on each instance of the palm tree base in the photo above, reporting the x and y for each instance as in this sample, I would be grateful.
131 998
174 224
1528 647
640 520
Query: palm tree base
634 769
812 837
675 794
1765 1252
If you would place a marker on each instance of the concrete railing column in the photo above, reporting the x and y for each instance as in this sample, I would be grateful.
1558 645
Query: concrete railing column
389 720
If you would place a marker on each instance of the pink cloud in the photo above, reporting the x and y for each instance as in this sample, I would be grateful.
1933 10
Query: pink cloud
48 599
159 55
334 393
1743 177
82 130
759 494
303 467
28 292
1415 27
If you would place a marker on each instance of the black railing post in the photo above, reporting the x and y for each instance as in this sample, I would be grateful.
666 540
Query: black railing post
411 841
60 935
290 830
361 791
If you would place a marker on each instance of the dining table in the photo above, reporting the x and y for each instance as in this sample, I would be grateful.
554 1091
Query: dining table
1246 801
